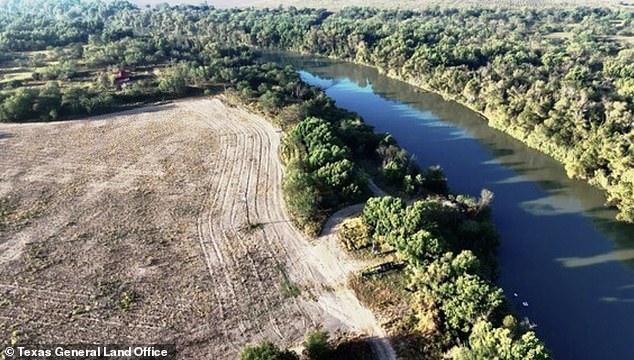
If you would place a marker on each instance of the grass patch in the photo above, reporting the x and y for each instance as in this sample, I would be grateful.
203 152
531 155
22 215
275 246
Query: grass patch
289 289
382 291
127 299
16 76
116 294
387 296
558 35
16 212
252 227
6 300
6 208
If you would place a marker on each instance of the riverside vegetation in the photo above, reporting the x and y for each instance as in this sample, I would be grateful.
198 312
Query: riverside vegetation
445 304
558 80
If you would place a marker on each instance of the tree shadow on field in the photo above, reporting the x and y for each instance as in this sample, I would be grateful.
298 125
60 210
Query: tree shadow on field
148 108
418 346
4 136
157 108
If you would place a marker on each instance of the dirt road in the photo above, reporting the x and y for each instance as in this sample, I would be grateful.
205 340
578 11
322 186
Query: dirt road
162 224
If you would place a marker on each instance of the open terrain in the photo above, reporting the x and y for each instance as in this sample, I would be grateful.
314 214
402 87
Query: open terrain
162 224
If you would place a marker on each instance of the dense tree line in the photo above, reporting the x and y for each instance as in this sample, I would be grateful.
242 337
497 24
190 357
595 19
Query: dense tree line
37 25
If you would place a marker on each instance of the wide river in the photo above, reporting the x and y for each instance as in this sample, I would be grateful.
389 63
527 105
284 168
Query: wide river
561 251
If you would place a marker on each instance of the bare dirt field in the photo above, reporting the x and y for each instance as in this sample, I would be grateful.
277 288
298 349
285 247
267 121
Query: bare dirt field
163 224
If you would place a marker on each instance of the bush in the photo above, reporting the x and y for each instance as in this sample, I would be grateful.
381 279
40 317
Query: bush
303 200
18 106
354 234
266 351
316 344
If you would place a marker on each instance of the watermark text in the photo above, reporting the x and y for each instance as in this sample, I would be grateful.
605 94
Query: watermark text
91 351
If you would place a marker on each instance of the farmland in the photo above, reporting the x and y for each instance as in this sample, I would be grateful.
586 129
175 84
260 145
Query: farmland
161 224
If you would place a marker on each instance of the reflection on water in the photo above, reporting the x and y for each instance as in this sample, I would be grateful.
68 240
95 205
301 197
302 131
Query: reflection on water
617 255
613 299
561 249
552 205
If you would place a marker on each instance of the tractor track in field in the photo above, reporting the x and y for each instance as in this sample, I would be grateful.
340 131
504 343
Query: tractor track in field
202 176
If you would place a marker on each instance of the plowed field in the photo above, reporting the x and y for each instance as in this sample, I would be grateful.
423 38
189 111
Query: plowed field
163 224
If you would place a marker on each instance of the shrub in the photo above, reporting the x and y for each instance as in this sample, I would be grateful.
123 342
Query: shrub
316 344
266 351
354 234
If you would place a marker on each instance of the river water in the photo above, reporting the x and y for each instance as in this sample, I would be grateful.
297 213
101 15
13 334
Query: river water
561 251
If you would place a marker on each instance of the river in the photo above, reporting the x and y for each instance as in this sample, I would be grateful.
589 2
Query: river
561 250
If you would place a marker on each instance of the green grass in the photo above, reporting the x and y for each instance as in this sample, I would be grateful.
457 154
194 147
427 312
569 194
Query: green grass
6 209
24 75
118 294
289 289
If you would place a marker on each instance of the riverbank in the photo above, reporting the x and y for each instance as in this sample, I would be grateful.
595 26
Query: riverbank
558 153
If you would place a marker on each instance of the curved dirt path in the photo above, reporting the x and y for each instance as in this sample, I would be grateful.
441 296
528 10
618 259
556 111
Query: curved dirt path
243 259
329 248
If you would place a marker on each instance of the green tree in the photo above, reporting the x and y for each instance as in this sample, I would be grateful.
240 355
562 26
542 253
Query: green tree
174 80
266 351
303 200
384 214
464 297
73 99
316 344
49 102
488 342
19 106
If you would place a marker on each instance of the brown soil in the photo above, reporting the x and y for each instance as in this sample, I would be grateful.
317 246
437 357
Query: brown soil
166 225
